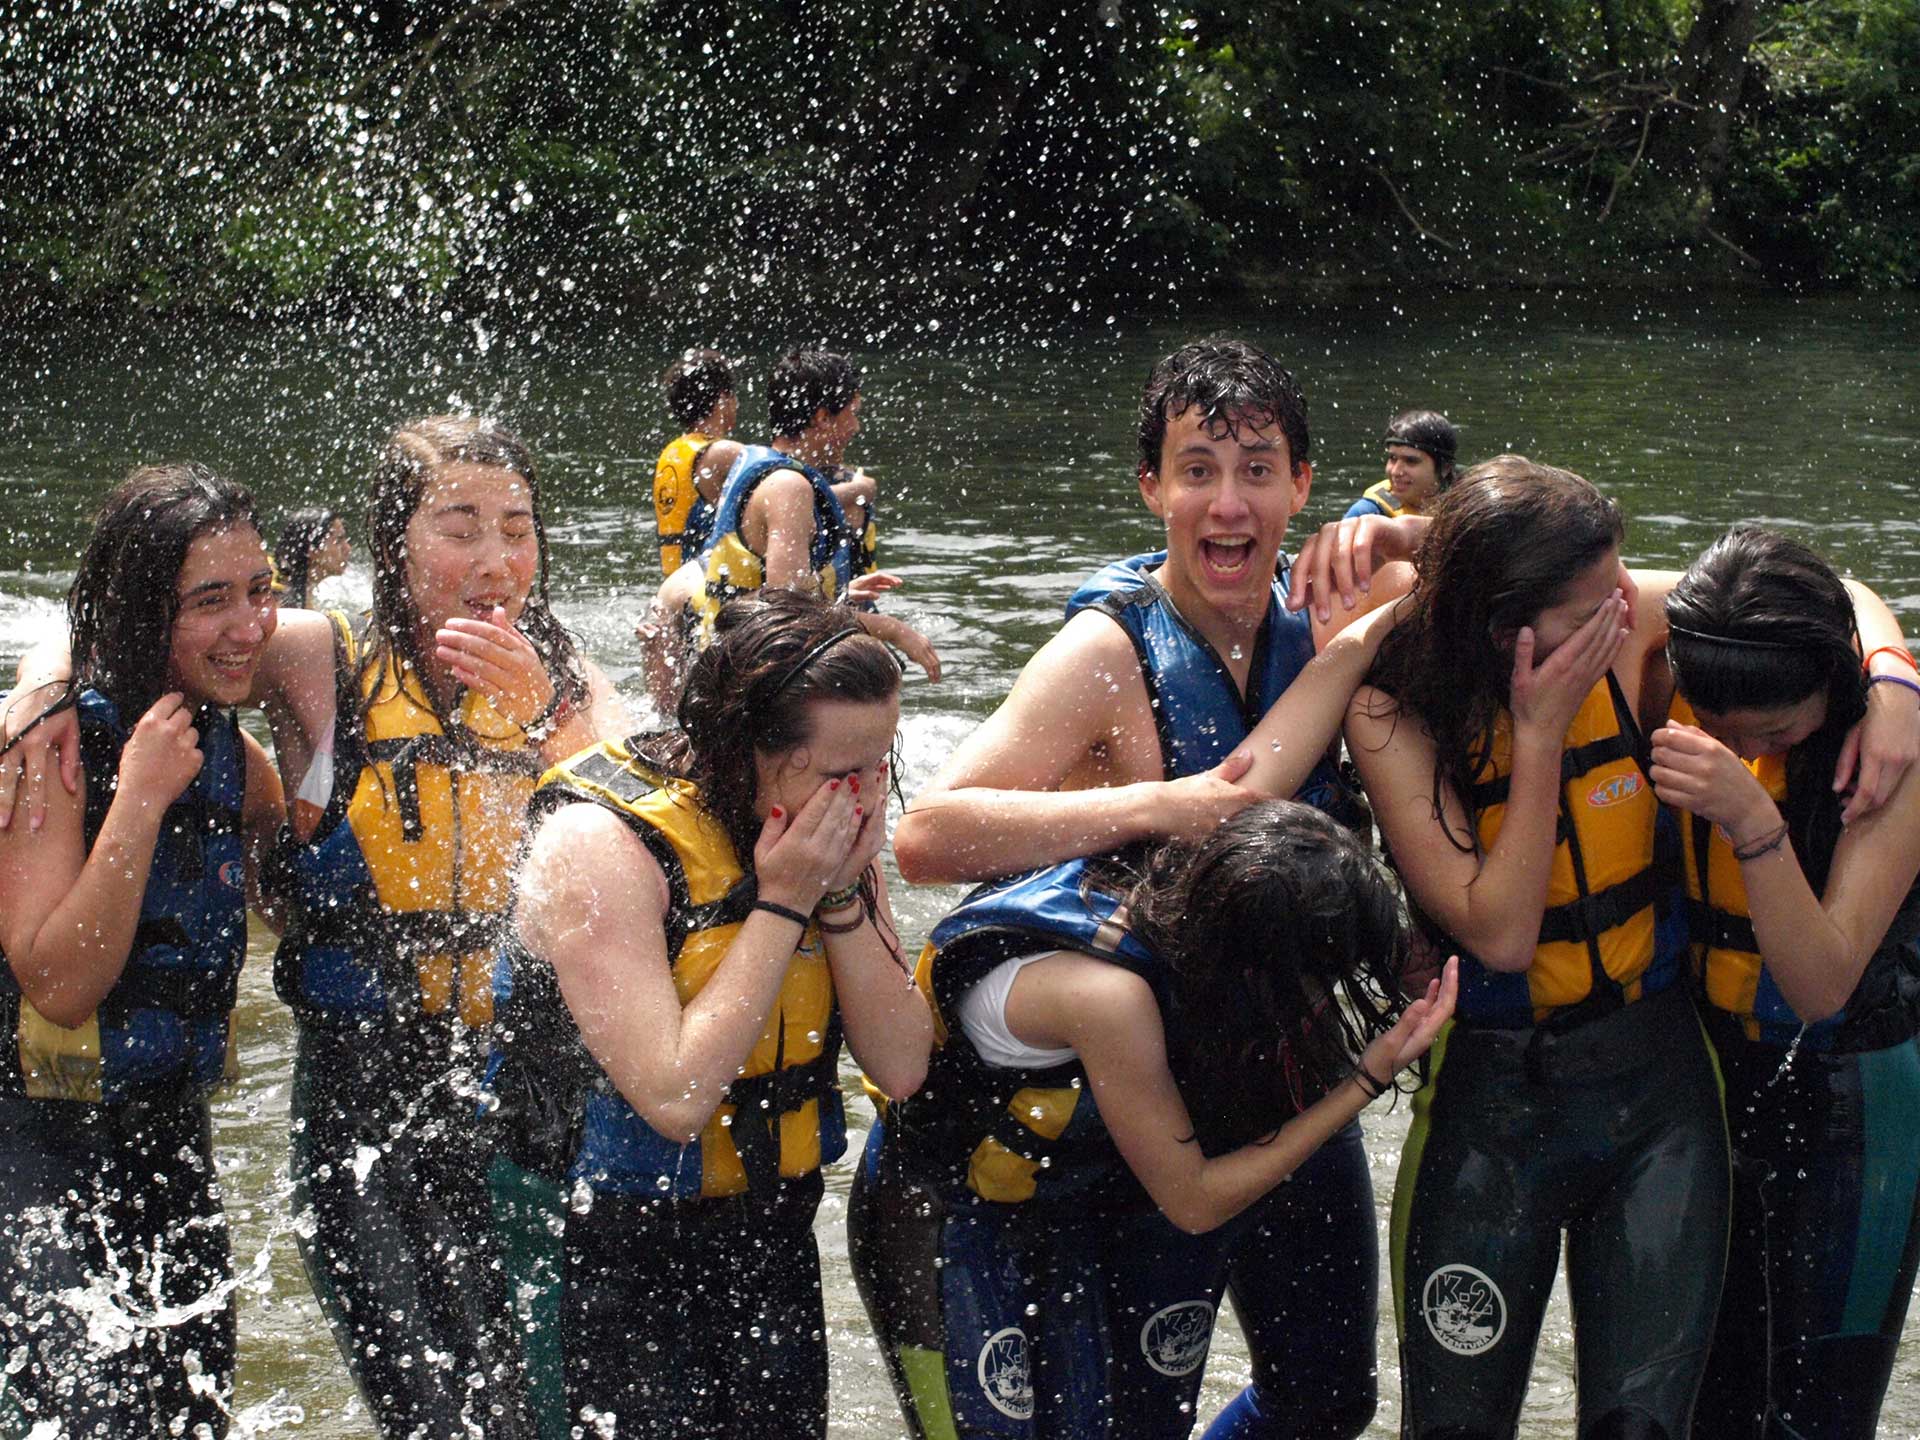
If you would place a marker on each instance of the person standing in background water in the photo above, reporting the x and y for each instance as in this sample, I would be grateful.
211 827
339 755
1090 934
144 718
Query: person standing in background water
313 546
687 479
1421 445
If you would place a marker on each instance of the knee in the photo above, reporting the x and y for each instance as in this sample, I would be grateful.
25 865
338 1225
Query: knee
1272 1412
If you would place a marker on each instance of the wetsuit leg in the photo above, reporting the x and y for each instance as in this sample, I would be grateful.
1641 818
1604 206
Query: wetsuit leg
118 1205
529 1216
1829 1146
390 1182
1305 1283
1645 1257
696 1318
1163 1290
952 1302
1474 1250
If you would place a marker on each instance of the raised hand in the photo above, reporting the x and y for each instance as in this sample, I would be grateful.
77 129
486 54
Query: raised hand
1548 695
492 657
162 755
36 748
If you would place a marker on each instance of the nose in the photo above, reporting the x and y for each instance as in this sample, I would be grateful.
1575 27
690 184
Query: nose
1229 502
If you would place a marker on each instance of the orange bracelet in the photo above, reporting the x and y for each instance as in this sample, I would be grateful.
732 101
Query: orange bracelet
1906 655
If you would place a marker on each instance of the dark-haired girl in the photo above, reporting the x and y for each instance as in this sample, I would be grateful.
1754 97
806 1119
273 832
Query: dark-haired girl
1113 1044
1500 745
123 918
313 546
1805 935
699 922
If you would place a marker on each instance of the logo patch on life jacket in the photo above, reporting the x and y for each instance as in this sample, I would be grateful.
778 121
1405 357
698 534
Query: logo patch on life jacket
233 874
1175 1340
1006 1375
1464 1309
1614 789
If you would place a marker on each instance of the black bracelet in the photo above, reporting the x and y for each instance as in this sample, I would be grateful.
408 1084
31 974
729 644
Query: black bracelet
783 912
1369 1087
1761 847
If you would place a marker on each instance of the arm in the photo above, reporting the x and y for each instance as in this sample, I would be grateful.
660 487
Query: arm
1109 1017
782 506
70 913
903 637
594 904
889 1027
1295 732
997 806
42 746
1885 744
1816 946
604 716
1490 903
261 815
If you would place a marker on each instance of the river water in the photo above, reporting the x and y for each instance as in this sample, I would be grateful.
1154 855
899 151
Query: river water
1006 471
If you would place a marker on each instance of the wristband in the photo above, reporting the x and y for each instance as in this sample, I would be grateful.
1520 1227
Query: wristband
783 912
552 716
1900 680
1370 1087
1900 651
828 927
1765 846
840 899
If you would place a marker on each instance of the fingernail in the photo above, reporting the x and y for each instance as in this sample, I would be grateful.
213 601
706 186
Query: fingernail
833 785
36 822
855 782
777 813
858 811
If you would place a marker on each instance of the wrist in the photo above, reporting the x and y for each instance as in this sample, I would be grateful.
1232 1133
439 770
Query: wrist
1756 823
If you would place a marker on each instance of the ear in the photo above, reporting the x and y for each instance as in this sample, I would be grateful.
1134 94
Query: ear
1150 489
1302 488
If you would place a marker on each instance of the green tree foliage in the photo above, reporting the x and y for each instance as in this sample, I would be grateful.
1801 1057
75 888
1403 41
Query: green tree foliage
259 154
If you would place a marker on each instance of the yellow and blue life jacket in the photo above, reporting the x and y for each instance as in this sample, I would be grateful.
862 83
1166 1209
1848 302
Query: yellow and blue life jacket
1198 710
1004 1134
163 1030
734 568
783 1116
1377 499
395 899
1884 1008
682 516
1612 931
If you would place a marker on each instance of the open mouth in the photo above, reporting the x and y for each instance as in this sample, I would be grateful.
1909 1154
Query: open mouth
482 607
236 666
1228 559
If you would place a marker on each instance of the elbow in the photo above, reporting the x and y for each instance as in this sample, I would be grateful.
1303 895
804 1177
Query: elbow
900 1078
915 853
678 1118
64 1009
1193 1219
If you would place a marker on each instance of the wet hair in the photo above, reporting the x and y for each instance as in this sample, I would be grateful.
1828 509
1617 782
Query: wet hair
408 461
1231 384
301 533
1505 543
695 383
1286 938
124 598
806 381
1760 621
1431 432
773 653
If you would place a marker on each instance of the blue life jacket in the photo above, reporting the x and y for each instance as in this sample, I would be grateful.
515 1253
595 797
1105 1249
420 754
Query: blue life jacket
733 567
1199 711
162 1031
1003 1134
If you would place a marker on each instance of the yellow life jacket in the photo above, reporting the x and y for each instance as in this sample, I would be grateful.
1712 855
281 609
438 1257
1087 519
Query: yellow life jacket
408 876
682 515
1601 937
1381 494
783 1116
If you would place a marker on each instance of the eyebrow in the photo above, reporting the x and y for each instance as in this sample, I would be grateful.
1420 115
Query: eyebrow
207 587
1198 449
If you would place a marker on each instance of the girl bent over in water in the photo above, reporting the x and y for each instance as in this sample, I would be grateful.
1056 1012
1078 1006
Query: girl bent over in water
124 923
1805 943
699 922
1113 1043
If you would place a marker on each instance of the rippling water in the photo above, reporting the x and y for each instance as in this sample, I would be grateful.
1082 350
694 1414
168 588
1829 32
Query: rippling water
1007 476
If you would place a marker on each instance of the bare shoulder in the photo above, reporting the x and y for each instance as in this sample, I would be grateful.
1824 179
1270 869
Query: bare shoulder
1068 998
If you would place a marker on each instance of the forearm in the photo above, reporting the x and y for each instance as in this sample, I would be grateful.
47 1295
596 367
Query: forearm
1812 959
1878 629
1296 732
78 953
678 1085
1497 916
1227 1184
974 833
888 1026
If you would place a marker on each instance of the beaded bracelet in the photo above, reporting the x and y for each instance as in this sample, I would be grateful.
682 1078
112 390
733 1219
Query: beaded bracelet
840 899
1900 680
1903 653
1761 847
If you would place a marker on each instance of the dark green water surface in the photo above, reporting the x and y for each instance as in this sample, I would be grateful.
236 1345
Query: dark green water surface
1007 475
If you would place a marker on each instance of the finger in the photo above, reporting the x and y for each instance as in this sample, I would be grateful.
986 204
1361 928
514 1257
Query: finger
1342 561
1849 758
1234 766
68 741
9 788
1300 583
1363 557
36 780
1523 658
773 827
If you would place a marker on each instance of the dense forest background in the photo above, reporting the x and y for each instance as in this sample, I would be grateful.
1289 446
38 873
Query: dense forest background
276 157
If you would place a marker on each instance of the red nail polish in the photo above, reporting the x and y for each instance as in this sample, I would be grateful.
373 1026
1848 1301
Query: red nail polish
855 782
833 785
777 813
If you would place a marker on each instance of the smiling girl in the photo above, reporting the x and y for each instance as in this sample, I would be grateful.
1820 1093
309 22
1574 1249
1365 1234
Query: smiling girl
124 924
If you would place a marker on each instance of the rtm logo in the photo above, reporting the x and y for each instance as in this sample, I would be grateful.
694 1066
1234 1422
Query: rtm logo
1613 790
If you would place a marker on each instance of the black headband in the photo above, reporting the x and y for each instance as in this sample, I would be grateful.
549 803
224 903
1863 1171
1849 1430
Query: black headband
799 666
1741 641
